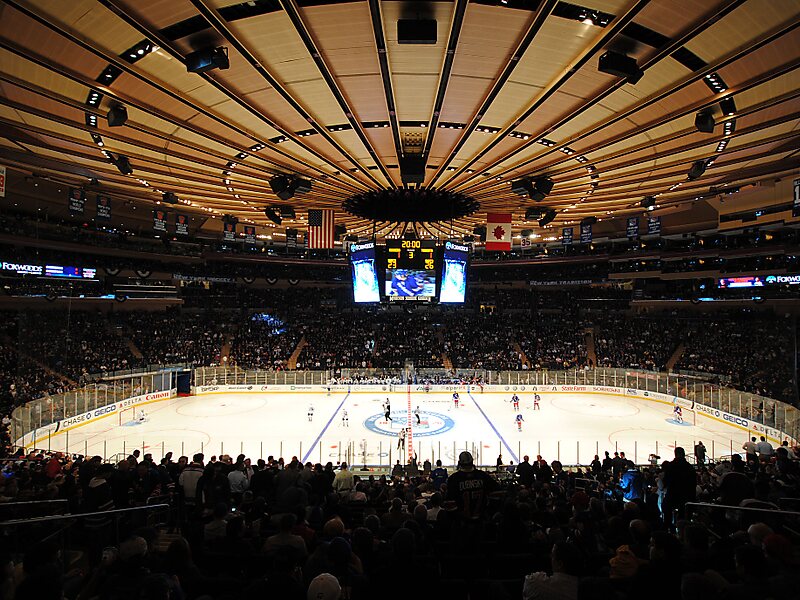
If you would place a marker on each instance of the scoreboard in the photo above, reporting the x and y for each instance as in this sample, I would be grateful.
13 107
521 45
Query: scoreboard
410 254
410 269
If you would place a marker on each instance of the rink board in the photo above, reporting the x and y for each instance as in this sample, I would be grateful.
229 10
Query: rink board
574 423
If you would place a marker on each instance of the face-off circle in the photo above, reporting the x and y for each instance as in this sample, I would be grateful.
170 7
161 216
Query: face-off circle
431 423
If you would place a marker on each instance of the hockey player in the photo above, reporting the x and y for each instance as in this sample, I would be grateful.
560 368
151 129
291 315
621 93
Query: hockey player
536 400
455 399
142 416
345 419
678 414
519 421
310 413
387 411
416 414
401 439
515 400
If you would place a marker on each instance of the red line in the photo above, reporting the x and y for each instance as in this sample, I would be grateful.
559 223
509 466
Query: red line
409 429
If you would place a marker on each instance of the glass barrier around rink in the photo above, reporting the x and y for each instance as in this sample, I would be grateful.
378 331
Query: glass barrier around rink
52 408
758 409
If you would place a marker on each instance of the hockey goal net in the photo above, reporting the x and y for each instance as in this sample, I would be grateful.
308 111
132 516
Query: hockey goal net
128 415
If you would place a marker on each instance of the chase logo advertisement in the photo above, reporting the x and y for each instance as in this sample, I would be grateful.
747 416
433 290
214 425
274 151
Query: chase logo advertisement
431 423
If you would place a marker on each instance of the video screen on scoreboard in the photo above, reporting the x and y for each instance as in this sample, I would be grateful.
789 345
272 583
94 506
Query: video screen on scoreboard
454 273
410 270
365 276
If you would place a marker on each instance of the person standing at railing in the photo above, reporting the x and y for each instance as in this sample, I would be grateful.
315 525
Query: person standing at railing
680 485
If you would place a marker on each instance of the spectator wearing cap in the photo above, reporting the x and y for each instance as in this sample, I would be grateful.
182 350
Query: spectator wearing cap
324 587
469 488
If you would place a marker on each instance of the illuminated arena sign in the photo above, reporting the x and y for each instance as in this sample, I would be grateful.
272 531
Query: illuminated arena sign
431 423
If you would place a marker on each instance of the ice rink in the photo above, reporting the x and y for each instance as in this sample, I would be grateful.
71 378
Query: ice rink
570 427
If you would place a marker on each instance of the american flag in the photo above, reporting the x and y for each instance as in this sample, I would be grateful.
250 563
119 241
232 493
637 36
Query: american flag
320 228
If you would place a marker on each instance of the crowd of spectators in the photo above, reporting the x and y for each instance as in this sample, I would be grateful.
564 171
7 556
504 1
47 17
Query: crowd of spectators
336 340
554 341
400 337
636 343
756 354
485 341
263 342
275 528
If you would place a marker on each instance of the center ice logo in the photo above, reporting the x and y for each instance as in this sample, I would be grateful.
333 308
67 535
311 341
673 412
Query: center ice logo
431 423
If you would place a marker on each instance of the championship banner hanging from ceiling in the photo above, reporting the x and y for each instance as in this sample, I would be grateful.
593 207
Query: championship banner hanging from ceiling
498 232
228 231
103 207
181 225
633 228
586 234
249 235
566 236
160 221
291 238
76 200
653 225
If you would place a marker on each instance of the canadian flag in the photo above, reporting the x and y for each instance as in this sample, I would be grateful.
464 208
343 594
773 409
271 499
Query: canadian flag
498 231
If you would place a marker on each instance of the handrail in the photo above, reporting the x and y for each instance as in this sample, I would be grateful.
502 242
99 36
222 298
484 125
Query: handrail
33 502
775 510
103 513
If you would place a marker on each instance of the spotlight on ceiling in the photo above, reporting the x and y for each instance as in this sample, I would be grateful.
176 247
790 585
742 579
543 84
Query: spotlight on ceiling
272 214
704 121
542 186
620 65
287 212
534 213
537 189
117 116
547 218
207 59
285 187
588 221
648 202
122 163
697 170
169 198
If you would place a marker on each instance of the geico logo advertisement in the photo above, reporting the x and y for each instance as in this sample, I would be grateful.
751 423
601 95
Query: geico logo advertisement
735 420
82 418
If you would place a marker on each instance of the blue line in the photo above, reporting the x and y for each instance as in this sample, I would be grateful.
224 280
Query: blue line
502 439
324 429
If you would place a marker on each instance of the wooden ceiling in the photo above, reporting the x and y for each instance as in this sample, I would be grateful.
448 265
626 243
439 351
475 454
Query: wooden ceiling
323 90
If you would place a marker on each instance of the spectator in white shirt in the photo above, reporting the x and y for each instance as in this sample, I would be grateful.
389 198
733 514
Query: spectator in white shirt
563 583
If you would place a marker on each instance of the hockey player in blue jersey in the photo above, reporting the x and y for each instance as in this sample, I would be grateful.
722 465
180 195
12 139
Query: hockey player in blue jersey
455 399
515 400
519 421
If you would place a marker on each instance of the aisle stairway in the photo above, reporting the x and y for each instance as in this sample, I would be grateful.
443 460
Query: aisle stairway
591 351
446 362
291 364
523 357
676 356
225 351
